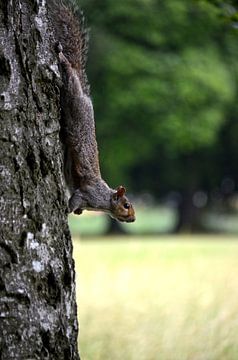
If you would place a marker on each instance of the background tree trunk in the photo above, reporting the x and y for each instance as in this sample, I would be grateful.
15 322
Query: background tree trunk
37 282
188 214
114 227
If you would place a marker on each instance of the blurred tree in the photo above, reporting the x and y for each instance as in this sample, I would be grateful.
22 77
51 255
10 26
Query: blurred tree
162 85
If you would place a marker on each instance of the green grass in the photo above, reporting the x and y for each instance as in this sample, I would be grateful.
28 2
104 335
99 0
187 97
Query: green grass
148 220
165 299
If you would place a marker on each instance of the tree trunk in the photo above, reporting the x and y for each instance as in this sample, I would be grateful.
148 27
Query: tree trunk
37 281
186 213
189 210
114 227
189 216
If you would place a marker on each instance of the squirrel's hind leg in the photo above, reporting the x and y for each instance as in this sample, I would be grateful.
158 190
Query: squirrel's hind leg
63 60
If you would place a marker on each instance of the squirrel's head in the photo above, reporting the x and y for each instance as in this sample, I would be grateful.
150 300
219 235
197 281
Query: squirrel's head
122 209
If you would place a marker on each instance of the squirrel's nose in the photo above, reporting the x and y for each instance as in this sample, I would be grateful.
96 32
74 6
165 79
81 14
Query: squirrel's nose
132 219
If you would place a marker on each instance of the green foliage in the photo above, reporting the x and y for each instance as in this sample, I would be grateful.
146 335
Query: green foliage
161 78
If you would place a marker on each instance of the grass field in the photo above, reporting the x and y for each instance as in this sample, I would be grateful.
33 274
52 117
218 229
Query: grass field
165 299
148 220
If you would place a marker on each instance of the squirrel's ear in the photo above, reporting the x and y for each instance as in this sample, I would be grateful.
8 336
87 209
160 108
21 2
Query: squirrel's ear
120 191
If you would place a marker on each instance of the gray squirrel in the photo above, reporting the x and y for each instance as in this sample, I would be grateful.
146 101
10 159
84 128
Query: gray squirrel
82 171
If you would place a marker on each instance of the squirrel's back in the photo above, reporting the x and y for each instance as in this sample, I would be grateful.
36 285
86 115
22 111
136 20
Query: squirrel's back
69 29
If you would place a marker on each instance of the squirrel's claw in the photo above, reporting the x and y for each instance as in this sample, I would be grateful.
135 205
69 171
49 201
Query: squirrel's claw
78 211
58 47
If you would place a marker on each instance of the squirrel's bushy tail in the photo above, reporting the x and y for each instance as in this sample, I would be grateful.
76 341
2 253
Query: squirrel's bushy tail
69 28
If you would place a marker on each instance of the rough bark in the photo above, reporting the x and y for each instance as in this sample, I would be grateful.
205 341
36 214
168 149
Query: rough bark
37 283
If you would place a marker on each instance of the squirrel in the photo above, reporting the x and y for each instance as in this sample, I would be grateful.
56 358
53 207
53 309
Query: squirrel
82 170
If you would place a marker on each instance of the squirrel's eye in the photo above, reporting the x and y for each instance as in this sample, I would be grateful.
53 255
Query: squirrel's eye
126 205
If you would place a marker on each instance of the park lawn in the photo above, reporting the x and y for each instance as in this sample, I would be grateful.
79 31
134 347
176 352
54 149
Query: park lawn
152 220
166 298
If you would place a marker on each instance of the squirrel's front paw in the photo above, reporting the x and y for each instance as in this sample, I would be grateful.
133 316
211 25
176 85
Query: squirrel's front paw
75 202
78 211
